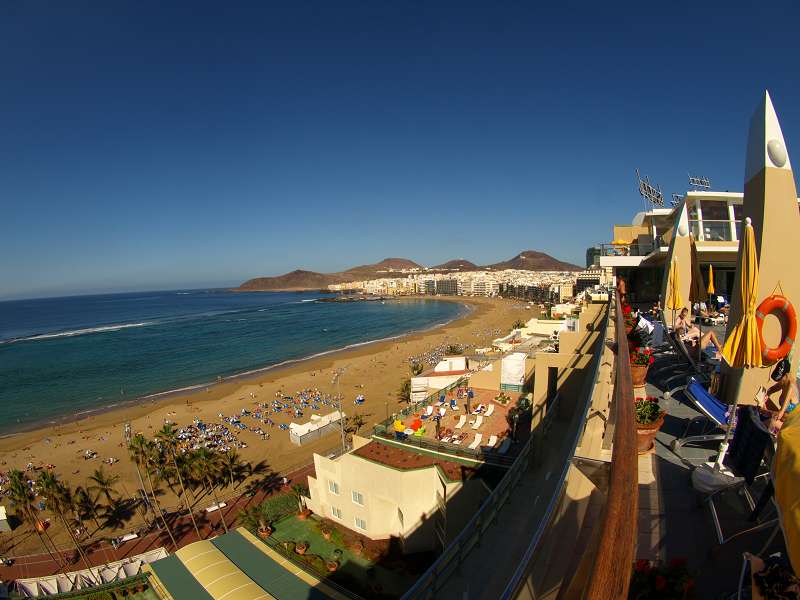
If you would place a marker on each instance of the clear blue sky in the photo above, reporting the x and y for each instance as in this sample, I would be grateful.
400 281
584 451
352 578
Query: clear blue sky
144 146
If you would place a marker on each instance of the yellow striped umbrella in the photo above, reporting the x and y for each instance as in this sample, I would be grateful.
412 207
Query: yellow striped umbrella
710 280
674 298
742 348
697 292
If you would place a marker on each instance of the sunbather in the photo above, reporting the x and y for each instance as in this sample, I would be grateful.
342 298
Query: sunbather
691 333
787 401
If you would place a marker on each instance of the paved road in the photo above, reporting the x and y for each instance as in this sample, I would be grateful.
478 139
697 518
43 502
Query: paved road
36 565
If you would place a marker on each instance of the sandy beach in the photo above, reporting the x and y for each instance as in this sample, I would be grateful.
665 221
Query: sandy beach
375 370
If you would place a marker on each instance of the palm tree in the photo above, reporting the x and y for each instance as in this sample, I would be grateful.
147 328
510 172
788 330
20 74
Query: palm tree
298 491
141 452
417 368
208 467
23 499
232 463
104 485
169 441
405 390
86 505
58 500
151 461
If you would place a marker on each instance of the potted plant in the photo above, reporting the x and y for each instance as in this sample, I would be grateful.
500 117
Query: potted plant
649 419
657 580
333 563
358 547
641 358
326 533
301 548
627 312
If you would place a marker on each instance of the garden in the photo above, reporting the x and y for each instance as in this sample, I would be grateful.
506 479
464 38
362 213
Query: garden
372 569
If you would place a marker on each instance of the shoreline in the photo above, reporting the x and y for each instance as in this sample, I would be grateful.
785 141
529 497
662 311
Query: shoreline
374 370
243 377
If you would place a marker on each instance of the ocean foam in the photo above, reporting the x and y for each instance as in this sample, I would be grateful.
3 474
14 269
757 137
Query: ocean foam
74 332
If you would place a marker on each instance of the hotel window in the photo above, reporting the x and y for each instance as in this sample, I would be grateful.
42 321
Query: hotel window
716 221
333 487
361 523
336 512
358 498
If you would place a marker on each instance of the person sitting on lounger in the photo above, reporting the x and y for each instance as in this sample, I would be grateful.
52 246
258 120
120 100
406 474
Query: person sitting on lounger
787 400
689 333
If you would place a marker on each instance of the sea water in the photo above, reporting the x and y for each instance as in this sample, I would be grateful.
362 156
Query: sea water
64 357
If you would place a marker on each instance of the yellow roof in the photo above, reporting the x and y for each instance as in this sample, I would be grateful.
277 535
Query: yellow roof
217 574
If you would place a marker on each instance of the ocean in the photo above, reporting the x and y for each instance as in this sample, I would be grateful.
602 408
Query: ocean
63 357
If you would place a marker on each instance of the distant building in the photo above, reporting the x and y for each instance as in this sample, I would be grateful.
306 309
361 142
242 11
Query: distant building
588 279
447 287
593 256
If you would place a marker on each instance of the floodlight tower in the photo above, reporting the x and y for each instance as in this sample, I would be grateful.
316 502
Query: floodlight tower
699 183
650 194
337 374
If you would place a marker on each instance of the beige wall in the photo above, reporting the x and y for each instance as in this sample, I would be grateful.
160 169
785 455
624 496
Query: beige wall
770 201
388 492
630 233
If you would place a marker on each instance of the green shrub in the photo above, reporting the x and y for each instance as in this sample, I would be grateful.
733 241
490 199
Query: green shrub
279 506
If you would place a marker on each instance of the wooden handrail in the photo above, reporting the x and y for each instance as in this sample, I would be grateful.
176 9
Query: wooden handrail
611 571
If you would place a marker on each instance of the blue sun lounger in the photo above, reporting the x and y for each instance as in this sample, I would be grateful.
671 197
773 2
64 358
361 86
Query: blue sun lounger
713 411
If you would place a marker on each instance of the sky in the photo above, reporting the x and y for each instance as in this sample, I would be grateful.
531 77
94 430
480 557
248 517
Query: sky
152 145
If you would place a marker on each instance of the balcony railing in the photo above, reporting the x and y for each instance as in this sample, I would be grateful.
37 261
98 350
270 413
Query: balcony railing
632 249
613 557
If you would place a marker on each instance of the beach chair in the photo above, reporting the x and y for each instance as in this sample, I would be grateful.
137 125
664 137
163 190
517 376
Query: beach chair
478 422
428 412
442 411
490 410
461 421
504 446
492 441
453 404
419 432
712 410
476 442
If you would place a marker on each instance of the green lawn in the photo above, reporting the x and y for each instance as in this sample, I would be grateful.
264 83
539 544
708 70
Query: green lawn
352 566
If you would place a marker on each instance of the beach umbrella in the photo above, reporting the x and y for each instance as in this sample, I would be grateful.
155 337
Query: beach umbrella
742 348
674 299
785 474
710 280
697 292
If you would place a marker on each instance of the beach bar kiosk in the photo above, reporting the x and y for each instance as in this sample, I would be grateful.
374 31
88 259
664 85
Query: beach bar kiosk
316 428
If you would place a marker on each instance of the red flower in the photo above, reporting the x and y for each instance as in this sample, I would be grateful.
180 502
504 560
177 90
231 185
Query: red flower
626 309
661 583
642 565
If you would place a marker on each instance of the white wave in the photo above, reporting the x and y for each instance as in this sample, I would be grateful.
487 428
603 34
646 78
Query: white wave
74 332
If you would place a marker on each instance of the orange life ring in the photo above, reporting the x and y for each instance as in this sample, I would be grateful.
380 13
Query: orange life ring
770 305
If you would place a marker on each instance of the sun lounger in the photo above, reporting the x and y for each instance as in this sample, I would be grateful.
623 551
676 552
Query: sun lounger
453 404
504 446
478 422
490 410
476 442
428 412
492 441
442 411
461 421
714 411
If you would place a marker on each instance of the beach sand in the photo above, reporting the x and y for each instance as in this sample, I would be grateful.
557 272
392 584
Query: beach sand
375 370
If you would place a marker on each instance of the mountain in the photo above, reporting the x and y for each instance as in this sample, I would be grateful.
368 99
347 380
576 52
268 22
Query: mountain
458 263
531 260
311 280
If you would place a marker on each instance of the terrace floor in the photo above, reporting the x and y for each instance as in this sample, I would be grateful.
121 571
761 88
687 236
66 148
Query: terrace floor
492 425
673 522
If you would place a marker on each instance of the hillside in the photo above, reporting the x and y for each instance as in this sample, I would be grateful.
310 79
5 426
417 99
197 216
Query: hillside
531 260
311 280
458 263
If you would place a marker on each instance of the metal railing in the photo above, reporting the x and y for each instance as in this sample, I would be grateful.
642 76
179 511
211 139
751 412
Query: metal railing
632 249
483 454
435 578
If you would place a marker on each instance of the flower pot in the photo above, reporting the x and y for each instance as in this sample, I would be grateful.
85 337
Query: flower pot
326 534
331 565
301 549
646 434
265 532
304 514
639 374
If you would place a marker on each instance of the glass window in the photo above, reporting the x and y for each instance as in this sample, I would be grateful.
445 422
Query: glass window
361 523
333 487
692 207
336 512
737 212
715 211
358 498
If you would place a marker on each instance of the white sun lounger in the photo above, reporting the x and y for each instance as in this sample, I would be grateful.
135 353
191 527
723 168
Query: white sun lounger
476 442
442 411
461 422
478 422
490 410
492 441
429 411
504 446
